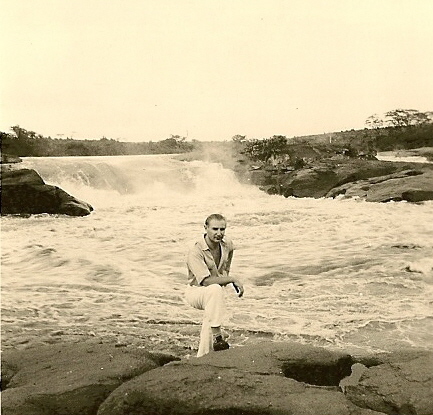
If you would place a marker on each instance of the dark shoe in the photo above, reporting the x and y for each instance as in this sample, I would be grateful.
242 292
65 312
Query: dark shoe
220 344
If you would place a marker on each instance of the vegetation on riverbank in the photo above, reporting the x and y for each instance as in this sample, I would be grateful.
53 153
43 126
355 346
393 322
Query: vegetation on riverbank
26 143
397 130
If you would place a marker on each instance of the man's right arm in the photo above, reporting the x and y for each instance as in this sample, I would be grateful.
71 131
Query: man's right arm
197 265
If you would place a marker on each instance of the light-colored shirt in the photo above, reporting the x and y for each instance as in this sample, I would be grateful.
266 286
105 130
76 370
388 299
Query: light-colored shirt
201 263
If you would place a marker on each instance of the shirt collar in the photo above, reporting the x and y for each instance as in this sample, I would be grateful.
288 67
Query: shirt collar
203 245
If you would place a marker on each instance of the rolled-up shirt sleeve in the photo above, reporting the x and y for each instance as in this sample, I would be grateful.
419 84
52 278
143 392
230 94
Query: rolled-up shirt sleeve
197 265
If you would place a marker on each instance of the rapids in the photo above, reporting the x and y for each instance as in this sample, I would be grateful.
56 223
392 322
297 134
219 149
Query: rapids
337 273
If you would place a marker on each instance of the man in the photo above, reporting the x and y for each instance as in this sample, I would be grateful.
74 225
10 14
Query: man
208 264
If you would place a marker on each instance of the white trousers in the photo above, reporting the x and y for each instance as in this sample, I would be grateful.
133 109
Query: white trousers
211 300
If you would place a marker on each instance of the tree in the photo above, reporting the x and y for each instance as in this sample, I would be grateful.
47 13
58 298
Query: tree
239 138
20 133
373 121
177 138
405 118
263 150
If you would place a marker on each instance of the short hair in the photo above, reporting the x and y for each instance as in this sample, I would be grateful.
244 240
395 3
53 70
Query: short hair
214 216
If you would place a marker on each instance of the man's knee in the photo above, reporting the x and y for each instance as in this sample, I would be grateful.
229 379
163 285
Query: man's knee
215 289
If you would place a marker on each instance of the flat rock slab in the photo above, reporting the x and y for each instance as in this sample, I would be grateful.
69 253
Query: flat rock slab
68 379
269 378
415 188
259 380
409 185
304 363
372 180
198 390
402 386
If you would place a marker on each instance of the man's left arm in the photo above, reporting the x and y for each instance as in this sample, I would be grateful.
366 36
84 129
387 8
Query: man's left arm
237 284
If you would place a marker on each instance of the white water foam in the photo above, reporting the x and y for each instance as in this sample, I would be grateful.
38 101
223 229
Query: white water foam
340 273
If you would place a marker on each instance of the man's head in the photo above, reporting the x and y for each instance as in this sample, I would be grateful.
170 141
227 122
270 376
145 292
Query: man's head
215 226
214 216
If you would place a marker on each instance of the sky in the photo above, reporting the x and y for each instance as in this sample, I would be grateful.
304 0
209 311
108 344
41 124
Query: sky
143 70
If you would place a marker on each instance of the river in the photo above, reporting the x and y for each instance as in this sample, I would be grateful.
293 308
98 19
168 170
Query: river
344 274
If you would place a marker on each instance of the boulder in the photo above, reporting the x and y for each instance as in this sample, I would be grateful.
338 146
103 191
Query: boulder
198 390
271 378
313 182
25 192
417 195
68 379
19 177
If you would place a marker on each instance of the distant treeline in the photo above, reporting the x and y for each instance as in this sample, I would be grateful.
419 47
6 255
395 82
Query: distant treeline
25 143
397 130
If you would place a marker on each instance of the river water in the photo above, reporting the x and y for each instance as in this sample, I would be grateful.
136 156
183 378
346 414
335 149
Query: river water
394 156
343 274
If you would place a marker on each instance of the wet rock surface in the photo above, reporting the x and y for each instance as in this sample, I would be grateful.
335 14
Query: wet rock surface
25 192
401 384
69 379
270 378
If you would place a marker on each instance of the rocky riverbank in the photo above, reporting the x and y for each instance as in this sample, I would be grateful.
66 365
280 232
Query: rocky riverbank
311 172
371 180
96 378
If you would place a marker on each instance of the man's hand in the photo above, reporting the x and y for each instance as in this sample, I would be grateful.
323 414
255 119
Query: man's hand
238 287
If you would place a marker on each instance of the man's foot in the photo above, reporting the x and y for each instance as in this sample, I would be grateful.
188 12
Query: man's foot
220 344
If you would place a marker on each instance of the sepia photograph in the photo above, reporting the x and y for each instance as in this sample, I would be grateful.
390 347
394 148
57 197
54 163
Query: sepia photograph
216 207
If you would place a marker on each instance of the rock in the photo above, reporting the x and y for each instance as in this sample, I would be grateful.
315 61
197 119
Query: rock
417 195
68 379
372 180
314 182
73 207
21 177
185 389
317 178
357 370
403 385
269 378
403 188
259 177
305 363
24 192
396 186
241 381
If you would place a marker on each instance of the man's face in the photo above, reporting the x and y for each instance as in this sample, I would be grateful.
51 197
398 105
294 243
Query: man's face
215 230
